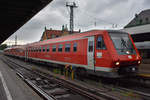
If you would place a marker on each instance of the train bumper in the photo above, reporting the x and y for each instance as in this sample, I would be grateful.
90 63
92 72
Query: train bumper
128 70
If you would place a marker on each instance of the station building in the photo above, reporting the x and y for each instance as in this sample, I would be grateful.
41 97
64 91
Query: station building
139 28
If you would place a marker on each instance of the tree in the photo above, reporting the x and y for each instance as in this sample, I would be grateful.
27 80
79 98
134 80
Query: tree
3 46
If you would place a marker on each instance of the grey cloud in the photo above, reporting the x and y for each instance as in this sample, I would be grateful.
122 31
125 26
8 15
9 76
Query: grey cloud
103 12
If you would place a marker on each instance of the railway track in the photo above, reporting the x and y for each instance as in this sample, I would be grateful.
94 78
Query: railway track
97 92
134 85
52 88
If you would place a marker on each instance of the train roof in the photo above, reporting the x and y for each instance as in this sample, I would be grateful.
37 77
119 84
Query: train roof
16 47
73 37
69 37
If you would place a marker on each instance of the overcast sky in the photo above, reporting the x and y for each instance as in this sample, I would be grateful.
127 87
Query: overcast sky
90 14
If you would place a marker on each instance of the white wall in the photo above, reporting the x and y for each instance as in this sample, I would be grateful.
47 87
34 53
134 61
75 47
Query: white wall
137 29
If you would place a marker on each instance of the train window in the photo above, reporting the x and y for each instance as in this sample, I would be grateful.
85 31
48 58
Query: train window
48 48
100 43
31 49
60 48
43 49
75 47
54 48
91 46
40 49
67 48
37 50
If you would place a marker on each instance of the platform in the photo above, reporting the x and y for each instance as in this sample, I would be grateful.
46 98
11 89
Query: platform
12 87
2 91
144 69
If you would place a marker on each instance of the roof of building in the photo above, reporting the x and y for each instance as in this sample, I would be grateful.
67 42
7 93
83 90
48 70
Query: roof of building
57 33
140 19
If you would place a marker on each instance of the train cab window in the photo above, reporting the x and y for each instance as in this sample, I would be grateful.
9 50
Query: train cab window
100 43
67 48
54 48
48 48
75 47
60 47
91 46
43 49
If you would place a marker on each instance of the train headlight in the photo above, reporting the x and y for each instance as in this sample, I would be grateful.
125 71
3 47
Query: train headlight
139 62
117 63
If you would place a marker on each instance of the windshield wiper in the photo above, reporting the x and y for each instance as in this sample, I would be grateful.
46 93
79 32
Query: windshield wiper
123 43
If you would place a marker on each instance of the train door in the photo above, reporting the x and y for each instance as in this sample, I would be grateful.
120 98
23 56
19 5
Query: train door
90 52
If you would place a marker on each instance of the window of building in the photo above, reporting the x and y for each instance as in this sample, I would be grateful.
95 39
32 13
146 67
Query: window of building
48 48
60 47
53 36
67 48
54 48
141 21
100 43
91 46
75 47
147 20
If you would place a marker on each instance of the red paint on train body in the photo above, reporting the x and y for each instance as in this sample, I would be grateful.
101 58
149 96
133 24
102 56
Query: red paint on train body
108 53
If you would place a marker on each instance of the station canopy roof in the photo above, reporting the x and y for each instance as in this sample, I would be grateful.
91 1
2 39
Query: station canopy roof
15 13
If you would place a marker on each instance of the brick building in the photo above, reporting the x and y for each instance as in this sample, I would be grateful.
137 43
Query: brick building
50 33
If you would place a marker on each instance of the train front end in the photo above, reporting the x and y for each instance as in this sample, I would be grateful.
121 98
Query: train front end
126 57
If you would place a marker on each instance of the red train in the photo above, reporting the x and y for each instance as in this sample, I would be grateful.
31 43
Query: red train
108 53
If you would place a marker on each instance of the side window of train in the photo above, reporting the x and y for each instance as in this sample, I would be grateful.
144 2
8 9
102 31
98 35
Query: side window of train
75 47
90 46
43 49
48 48
67 47
40 49
54 48
60 47
100 43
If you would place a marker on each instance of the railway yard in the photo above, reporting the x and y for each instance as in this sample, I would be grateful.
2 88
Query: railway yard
30 81
98 57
